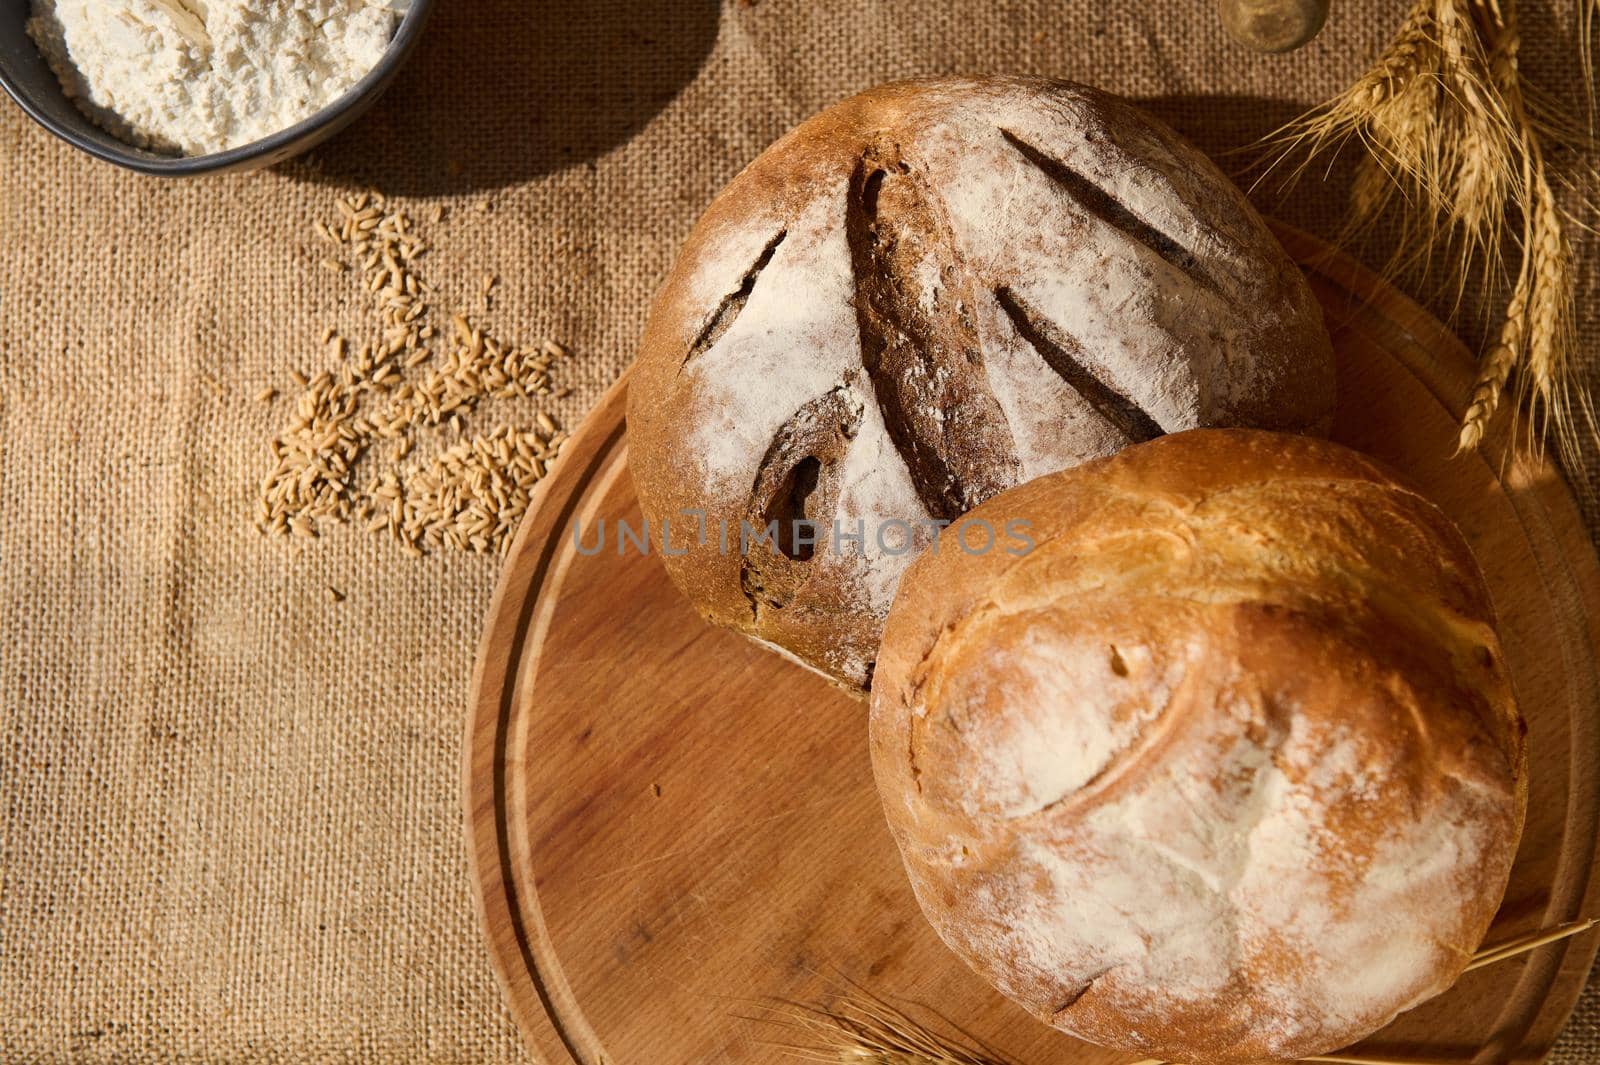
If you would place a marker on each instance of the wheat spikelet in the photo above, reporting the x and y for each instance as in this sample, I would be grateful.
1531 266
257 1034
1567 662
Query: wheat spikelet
1505 43
1482 178
1496 369
1587 10
1477 177
1431 116
1409 55
1466 31
862 1029
1551 327
1485 182
1454 141
1402 128
1454 145
1538 326
1550 306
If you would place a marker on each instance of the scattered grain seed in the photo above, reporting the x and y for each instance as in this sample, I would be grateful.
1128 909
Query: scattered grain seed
472 496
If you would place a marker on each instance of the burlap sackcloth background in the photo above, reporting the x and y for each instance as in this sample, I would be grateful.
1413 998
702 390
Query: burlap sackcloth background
229 809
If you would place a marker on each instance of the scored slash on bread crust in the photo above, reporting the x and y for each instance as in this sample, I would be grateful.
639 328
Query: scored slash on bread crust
728 310
1007 276
1063 354
919 341
1226 769
798 481
1103 205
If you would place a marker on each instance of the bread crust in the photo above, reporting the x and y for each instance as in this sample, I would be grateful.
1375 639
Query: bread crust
925 295
1226 769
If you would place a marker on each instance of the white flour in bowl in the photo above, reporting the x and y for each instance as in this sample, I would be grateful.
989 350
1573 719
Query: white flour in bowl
201 76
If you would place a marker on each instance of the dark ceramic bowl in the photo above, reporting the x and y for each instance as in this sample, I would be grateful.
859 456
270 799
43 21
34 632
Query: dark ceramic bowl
28 79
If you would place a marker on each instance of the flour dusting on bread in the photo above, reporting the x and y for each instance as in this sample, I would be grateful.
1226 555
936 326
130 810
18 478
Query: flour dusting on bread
1018 275
1227 768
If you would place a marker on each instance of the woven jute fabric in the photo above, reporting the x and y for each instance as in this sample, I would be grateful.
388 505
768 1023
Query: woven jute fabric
230 819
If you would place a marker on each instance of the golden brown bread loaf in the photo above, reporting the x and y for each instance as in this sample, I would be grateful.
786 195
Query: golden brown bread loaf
921 297
1226 768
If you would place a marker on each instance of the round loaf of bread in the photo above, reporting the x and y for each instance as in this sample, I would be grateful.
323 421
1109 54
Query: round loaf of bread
921 297
1225 768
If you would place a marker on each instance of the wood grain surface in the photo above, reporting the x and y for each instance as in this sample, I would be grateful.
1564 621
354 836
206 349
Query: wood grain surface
671 828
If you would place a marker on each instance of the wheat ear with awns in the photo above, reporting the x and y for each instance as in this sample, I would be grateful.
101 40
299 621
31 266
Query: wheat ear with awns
1457 144
862 1029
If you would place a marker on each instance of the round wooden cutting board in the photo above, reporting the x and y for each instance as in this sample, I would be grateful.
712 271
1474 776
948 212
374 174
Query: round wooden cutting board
670 826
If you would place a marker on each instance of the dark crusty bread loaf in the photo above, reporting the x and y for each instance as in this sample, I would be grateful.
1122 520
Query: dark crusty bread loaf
1226 768
923 296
